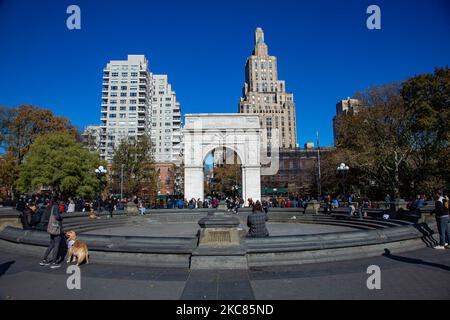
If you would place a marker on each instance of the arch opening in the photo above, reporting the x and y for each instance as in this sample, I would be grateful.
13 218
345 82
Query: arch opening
222 170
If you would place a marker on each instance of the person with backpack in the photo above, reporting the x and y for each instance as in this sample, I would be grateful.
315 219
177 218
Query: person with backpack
55 230
441 212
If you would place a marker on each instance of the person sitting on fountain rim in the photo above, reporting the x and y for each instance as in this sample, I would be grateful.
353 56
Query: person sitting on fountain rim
257 222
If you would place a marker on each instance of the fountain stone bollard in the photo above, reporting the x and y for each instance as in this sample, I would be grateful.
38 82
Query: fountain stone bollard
312 207
219 244
131 209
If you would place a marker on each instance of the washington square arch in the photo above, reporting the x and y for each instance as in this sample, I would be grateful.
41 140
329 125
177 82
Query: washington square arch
239 132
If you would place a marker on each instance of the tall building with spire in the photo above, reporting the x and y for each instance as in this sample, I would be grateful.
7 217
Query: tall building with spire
264 94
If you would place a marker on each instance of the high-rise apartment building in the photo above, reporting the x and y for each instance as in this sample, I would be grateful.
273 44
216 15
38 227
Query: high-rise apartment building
165 121
126 102
264 94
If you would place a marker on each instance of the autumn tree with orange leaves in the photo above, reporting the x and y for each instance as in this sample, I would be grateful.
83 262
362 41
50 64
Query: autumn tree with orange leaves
19 128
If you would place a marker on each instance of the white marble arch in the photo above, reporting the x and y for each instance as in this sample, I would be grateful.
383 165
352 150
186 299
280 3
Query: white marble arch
236 131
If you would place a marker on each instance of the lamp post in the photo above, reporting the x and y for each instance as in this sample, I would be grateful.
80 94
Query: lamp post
121 182
343 169
100 172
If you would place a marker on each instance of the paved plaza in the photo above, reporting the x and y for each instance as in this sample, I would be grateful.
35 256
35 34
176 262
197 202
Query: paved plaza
422 274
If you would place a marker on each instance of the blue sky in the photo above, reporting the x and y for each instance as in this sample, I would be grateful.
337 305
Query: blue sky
325 52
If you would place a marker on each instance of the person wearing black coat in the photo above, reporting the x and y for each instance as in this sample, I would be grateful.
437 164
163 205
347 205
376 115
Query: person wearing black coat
441 212
55 239
27 216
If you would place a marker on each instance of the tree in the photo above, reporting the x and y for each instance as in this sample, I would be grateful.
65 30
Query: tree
139 174
19 128
8 172
399 141
427 99
57 161
226 177
377 139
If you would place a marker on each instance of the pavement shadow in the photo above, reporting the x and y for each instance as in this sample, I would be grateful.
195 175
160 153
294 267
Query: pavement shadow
62 250
5 266
387 254
427 233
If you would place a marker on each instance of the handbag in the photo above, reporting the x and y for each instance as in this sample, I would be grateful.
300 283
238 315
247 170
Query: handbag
54 227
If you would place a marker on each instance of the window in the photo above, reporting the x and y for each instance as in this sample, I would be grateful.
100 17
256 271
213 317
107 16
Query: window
132 108
124 74
123 101
113 94
123 88
112 115
113 101
122 115
133 94
134 74
123 108
113 87
112 108
115 74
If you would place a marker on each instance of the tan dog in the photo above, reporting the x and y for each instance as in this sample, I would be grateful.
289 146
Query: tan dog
92 214
76 248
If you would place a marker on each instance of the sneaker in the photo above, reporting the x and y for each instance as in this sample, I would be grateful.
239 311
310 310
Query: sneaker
439 247
55 265
44 263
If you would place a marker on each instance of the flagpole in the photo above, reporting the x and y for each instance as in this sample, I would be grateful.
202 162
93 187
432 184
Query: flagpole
319 186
